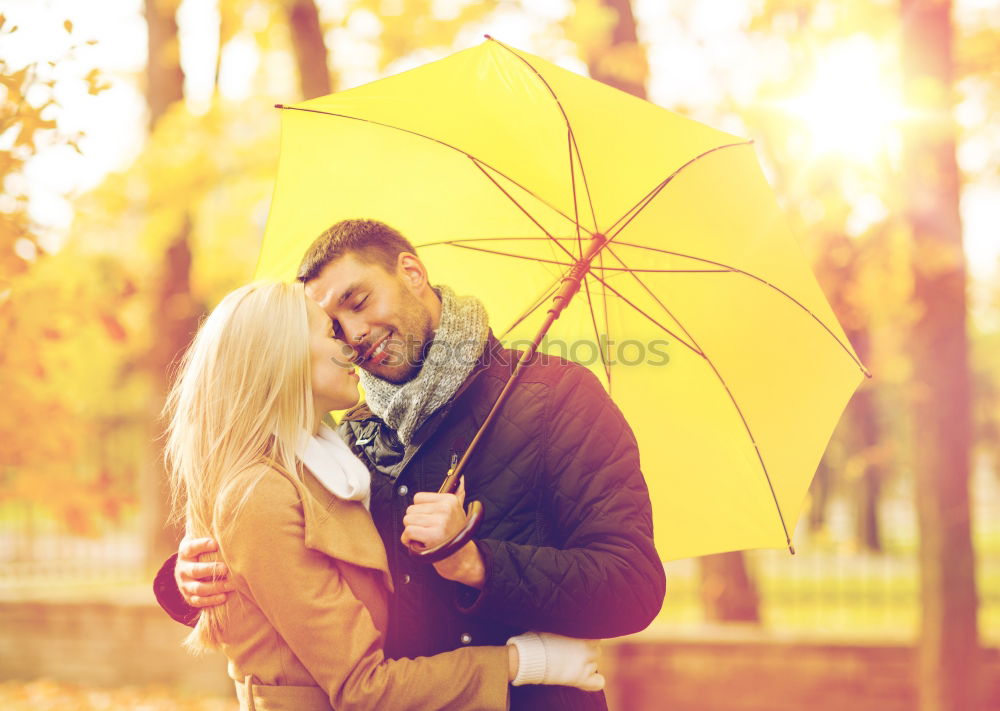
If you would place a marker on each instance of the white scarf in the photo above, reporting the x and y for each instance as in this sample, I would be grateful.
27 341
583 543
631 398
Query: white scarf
335 466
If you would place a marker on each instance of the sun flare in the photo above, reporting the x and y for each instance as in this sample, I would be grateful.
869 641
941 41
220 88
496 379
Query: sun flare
850 107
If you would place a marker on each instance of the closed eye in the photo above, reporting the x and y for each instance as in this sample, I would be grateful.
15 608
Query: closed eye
357 306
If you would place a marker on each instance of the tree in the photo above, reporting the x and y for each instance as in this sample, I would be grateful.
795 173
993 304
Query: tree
948 650
861 270
174 312
614 56
839 269
54 305
310 49
179 186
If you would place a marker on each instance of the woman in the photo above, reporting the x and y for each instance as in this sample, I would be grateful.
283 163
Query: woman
252 466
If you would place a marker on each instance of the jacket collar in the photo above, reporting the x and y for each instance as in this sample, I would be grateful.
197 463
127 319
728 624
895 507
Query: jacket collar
341 529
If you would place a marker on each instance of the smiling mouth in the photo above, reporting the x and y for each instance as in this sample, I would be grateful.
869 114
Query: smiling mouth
375 352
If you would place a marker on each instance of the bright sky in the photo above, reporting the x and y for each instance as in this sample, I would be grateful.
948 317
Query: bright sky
698 52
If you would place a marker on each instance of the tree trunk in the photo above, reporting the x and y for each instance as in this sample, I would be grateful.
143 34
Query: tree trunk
839 270
727 592
174 317
819 492
869 530
310 49
621 63
869 440
164 76
948 649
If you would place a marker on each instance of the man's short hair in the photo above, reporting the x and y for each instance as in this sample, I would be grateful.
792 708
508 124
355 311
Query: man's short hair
370 241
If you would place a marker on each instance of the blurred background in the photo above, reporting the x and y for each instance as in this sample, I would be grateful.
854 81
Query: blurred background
138 146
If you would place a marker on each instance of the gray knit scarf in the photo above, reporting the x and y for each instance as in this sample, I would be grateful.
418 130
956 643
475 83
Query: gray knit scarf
457 345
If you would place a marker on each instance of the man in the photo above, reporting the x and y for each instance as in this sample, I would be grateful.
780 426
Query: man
566 544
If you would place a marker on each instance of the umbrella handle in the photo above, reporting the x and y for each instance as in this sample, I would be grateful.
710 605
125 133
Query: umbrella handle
443 550
474 518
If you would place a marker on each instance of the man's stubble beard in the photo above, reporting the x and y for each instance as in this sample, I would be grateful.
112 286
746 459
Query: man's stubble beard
416 334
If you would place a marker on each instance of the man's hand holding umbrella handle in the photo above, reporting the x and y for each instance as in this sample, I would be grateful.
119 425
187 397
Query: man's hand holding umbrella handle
435 519
201 584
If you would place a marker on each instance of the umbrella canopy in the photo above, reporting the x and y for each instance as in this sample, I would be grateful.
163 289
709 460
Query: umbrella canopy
699 312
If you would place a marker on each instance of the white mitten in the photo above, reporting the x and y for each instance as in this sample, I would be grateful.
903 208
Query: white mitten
546 658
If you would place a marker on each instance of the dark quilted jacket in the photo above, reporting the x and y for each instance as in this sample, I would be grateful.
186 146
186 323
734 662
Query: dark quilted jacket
567 538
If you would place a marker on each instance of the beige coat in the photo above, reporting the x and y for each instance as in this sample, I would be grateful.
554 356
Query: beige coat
306 624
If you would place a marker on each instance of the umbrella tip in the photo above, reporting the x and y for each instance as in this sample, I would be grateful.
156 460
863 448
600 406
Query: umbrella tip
488 37
791 548
279 106
868 373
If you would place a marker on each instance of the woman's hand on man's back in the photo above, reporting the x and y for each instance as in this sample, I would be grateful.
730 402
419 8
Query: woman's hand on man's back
201 584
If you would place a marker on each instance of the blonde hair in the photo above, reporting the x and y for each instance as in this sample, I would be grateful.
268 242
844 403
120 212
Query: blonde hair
242 395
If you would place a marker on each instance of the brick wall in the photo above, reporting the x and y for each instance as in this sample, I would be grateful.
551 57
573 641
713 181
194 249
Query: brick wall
106 644
724 669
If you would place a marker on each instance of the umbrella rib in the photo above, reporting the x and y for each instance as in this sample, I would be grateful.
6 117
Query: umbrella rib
506 254
728 268
545 295
460 243
576 207
522 209
634 211
597 335
498 239
739 411
583 176
652 320
604 298
541 300
640 270
542 260
569 128
440 142
650 292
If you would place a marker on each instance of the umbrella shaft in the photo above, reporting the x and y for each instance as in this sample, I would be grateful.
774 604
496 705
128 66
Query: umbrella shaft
572 281
570 286
508 386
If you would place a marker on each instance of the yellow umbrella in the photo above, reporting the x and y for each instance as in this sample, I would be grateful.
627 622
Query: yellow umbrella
697 308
